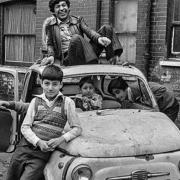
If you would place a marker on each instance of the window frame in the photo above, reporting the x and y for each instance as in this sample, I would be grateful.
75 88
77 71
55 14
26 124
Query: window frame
171 23
4 35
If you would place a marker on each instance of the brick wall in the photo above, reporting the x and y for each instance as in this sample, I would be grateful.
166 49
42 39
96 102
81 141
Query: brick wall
158 47
105 12
143 35
151 36
1 19
41 13
85 8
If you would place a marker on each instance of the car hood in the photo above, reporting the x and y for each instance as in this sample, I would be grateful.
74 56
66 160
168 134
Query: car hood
118 133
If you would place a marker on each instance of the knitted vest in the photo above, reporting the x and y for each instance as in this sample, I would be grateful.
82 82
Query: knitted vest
49 122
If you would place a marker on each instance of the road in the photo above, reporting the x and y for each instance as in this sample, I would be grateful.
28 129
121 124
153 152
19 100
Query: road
4 162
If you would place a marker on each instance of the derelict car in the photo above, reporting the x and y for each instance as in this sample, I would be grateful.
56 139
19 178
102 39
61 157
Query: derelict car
11 87
137 143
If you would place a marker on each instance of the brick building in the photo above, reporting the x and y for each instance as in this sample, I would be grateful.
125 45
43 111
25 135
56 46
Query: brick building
147 29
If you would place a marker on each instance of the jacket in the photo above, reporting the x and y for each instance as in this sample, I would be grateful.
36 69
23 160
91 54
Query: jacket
76 26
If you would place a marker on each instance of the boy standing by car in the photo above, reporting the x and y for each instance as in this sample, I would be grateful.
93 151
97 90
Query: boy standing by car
43 127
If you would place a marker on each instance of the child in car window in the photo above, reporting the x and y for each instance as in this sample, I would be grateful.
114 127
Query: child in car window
88 99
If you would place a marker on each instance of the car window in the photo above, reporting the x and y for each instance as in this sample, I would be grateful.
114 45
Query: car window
139 92
7 82
101 82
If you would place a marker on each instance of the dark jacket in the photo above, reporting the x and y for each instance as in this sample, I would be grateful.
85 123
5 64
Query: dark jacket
76 26
166 100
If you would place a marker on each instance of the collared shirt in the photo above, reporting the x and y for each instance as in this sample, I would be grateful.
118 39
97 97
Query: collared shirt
65 34
72 119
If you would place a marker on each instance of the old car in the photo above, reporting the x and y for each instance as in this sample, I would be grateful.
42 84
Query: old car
11 87
134 143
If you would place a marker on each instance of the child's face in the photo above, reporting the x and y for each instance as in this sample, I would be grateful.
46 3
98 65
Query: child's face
87 89
51 88
61 10
119 94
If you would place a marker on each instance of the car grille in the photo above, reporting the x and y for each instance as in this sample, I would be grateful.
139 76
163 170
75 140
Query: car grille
139 175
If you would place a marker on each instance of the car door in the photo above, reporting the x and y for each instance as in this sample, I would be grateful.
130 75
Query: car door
9 91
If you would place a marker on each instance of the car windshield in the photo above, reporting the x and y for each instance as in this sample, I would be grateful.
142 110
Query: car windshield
140 95
137 89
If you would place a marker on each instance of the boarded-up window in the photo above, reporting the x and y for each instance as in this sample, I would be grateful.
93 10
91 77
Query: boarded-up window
125 23
19 32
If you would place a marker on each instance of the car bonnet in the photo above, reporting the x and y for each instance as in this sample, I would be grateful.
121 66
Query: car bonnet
119 133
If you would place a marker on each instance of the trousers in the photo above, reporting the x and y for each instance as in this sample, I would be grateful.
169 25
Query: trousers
27 162
82 51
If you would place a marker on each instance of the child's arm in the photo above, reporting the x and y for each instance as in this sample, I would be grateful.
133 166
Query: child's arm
73 120
74 123
26 130
19 107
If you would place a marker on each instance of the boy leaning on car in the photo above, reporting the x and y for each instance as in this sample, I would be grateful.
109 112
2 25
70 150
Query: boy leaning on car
166 100
43 127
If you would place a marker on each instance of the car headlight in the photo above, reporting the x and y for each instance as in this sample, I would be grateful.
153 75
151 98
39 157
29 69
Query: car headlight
81 172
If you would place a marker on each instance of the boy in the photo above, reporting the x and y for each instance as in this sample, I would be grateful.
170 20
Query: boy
166 100
88 99
63 36
43 127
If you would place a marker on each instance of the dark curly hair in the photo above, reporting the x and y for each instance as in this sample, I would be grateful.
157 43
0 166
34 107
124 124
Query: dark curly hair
53 2
86 79
118 83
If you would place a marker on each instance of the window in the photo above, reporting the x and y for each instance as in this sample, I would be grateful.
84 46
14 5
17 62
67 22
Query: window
125 23
174 29
19 32
7 82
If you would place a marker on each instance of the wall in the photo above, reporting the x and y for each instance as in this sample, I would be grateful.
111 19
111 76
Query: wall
105 12
1 30
158 32
143 35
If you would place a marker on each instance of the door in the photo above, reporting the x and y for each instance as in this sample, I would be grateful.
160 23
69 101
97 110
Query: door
7 118
125 23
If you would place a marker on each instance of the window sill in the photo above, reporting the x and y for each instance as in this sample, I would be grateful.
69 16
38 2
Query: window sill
172 62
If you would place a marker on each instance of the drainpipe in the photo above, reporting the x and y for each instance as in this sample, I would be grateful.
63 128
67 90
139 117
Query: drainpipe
148 51
98 18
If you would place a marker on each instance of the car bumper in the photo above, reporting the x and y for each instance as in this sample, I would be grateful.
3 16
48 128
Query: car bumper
161 167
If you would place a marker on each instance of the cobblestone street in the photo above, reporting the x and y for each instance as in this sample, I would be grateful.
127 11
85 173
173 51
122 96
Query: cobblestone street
4 162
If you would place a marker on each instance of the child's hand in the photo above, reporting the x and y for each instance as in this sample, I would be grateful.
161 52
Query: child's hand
44 146
53 143
104 41
47 60
4 104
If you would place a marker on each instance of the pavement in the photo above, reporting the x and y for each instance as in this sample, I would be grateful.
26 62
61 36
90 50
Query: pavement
4 163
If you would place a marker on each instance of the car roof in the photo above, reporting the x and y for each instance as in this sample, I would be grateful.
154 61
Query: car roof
102 69
13 69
